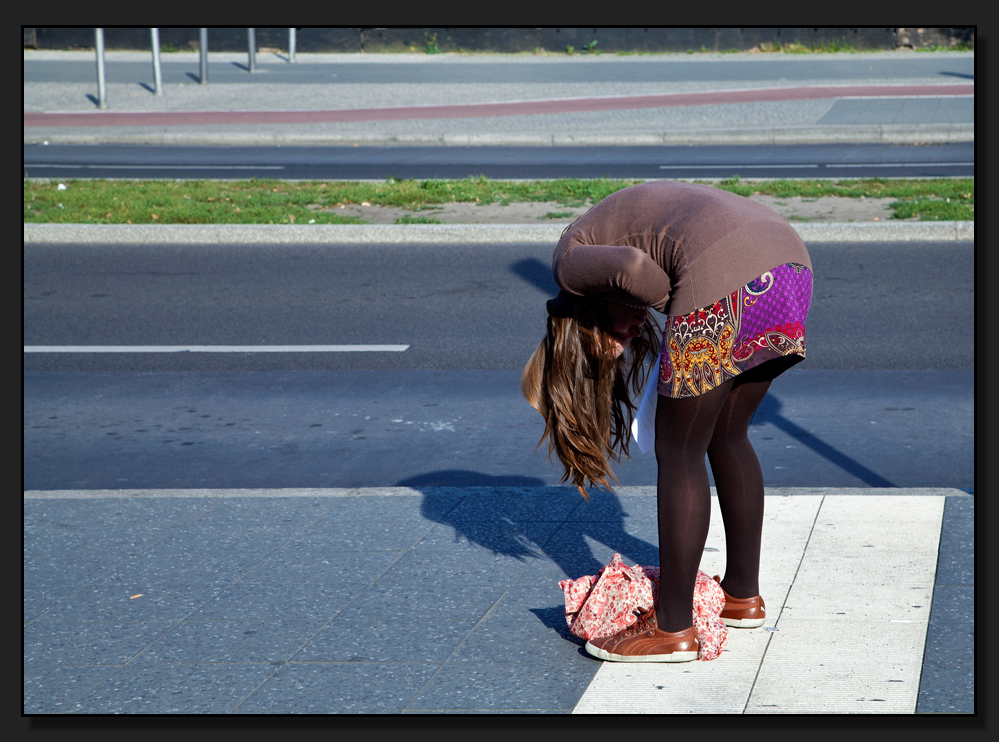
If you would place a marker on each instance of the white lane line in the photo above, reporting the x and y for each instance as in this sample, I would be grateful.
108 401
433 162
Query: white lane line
909 164
213 348
740 167
779 166
260 494
834 568
164 167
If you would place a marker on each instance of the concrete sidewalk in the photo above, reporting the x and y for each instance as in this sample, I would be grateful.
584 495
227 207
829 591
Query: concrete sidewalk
442 600
476 108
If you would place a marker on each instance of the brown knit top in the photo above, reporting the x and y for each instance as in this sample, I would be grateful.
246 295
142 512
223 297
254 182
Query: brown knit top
675 247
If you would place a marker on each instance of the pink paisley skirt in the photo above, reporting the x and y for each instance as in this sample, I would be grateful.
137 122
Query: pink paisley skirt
763 320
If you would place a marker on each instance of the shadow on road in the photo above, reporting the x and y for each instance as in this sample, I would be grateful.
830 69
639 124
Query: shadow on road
548 522
770 412
536 273
524 519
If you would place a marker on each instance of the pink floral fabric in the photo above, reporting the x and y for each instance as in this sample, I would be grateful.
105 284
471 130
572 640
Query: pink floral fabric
604 604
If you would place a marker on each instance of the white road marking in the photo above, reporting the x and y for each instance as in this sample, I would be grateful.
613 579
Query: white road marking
741 167
847 165
909 164
213 348
164 167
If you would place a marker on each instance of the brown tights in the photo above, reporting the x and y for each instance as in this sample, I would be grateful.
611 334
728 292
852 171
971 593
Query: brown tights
717 424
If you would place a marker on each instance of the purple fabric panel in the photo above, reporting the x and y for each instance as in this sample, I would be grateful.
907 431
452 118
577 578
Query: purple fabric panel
763 320
784 295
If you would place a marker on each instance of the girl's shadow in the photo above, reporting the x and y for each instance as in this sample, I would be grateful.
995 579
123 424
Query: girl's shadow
522 518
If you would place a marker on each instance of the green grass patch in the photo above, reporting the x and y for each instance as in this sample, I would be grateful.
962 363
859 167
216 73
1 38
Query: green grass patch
409 219
826 47
960 46
833 46
299 202
937 199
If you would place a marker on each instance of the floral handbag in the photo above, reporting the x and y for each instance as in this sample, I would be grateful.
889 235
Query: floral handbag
603 604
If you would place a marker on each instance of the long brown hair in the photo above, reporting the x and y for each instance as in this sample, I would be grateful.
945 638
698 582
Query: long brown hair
585 394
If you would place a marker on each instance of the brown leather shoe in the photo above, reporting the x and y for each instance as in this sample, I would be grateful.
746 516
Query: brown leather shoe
743 613
644 642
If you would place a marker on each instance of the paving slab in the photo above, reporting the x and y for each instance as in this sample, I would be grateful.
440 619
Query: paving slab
815 658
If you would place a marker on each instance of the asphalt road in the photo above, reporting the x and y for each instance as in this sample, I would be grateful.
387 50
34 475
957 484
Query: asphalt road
456 306
352 163
885 397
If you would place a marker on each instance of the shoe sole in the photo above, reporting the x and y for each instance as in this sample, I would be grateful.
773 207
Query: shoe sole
671 657
744 623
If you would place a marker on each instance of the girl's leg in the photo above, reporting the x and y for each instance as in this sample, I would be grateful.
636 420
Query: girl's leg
684 429
739 479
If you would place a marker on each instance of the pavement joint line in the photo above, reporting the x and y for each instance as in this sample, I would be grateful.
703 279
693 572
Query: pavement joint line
465 234
776 623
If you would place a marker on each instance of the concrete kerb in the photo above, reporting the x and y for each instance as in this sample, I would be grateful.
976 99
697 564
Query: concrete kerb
863 133
333 234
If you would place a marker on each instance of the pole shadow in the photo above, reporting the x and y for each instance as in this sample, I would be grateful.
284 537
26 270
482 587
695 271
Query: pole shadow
769 411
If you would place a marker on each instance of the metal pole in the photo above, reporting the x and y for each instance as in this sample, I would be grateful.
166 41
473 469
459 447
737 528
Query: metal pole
154 34
102 93
291 44
203 53
251 35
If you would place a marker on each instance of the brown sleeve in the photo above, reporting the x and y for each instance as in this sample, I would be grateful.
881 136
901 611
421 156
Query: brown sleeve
608 270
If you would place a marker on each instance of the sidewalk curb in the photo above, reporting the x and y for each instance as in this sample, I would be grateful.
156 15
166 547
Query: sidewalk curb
860 133
338 234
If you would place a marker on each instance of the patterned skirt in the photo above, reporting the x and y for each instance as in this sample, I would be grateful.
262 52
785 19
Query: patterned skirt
763 320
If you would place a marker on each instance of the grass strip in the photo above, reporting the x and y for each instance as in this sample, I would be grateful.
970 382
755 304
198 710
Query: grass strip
301 202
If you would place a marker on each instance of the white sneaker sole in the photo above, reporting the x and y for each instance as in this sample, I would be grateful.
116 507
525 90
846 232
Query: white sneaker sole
671 657
744 623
